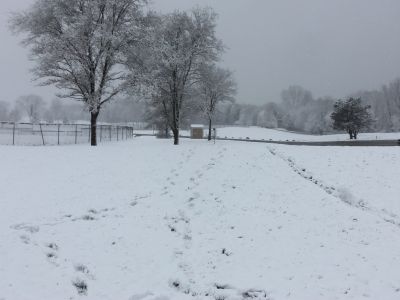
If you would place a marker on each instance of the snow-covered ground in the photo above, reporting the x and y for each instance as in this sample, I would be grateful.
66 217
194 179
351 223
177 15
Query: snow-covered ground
259 133
362 177
281 135
146 220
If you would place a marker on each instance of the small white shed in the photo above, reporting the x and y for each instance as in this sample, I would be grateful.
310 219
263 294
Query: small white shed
196 131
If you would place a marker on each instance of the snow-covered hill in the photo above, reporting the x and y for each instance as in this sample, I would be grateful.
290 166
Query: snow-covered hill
282 135
145 220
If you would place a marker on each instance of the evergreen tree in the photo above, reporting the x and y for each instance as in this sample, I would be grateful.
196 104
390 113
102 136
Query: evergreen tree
350 115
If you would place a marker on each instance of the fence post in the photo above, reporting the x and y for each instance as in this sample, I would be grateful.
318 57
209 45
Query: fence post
76 134
117 133
14 134
58 134
110 133
101 132
90 132
41 132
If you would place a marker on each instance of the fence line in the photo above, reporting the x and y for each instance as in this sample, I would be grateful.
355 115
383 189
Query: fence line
61 134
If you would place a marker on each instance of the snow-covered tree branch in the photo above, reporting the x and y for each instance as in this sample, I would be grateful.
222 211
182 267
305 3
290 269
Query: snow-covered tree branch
215 85
182 43
78 46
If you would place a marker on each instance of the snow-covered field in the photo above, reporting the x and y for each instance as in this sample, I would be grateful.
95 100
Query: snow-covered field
145 220
258 133
281 135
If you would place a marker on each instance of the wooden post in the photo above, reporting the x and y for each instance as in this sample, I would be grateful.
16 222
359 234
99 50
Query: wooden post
101 132
41 132
90 132
117 133
76 134
58 134
110 133
14 134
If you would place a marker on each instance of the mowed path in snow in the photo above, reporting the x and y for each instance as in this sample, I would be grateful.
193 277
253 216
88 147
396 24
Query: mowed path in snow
147 220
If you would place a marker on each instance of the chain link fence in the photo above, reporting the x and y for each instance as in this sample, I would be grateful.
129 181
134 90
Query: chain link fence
61 134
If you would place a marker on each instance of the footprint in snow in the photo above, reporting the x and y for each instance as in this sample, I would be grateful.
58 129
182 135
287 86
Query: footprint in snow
52 246
81 268
81 286
25 239
144 296
51 255
87 218
26 227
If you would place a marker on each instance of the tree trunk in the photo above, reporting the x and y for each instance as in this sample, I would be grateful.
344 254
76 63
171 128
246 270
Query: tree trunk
209 129
355 133
350 132
176 136
93 128
166 131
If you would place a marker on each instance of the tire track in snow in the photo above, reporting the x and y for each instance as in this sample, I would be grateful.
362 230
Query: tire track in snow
342 195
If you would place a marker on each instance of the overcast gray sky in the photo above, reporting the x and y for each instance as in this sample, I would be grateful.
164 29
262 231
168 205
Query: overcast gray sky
331 47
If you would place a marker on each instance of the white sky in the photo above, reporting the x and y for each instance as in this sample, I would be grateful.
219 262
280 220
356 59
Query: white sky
331 47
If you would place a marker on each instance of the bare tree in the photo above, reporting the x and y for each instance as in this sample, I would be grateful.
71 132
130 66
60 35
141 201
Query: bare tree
391 96
215 85
56 112
183 41
296 96
33 106
78 46
4 110
15 114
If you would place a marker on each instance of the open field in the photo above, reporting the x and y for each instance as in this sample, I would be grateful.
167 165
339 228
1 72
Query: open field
282 135
145 220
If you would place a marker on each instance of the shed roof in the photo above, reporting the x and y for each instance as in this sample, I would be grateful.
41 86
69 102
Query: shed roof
196 126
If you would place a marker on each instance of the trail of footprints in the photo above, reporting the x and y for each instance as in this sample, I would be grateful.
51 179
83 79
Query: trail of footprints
52 251
180 225
331 190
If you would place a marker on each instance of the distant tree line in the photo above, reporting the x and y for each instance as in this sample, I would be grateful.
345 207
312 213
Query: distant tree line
33 109
300 111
